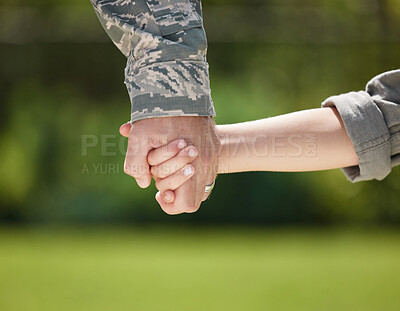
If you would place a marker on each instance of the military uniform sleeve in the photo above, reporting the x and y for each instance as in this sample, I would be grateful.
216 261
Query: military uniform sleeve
372 121
165 44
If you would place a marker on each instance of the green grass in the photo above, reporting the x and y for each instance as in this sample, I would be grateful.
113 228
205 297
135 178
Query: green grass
199 269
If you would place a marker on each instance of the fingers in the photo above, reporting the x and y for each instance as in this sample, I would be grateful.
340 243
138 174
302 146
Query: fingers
136 161
168 196
179 203
178 175
174 164
154 132
182 200
185 198
125 129
206 195
162 154
138 168
168 208
175 180
188 197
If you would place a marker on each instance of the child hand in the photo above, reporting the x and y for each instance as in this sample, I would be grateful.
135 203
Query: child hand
170 167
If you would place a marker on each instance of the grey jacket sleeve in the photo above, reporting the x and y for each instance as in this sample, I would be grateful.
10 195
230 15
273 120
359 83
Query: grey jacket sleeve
372 121
165 45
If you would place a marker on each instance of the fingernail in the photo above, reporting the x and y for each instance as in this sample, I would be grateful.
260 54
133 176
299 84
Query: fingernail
181 144
188 171
192 153
167 196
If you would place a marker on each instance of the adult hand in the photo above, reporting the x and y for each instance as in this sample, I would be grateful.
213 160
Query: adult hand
151 133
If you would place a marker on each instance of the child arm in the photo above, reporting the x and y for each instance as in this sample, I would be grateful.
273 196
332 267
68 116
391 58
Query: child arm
307 140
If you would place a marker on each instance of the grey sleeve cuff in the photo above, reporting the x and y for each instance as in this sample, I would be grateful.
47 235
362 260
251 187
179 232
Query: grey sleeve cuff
368 131
166 89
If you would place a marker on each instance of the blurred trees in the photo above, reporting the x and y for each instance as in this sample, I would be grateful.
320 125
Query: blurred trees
62 81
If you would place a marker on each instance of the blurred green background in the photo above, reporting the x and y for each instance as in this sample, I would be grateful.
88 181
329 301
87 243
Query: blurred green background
79 234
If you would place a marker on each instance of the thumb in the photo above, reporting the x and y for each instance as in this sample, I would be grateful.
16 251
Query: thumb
168 196
136 166
125 129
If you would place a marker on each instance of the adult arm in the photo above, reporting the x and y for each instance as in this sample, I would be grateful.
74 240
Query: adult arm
165 44
167 80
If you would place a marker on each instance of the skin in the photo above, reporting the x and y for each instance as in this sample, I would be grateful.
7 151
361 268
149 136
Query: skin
148 134
308 140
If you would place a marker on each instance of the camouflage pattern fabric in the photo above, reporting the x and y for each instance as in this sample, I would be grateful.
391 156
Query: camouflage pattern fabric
165 44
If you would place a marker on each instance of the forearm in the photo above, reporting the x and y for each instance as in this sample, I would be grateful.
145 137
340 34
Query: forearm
307 140
165 43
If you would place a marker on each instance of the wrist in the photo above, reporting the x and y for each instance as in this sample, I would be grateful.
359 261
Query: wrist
223 152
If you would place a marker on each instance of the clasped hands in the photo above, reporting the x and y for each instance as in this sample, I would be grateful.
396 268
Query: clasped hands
180 153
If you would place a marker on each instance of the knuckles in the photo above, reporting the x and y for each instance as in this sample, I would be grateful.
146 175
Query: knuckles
135 170
180 210
154 132
127 169
159 185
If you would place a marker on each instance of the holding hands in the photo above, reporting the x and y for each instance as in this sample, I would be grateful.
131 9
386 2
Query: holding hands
171 167
163 148
186 155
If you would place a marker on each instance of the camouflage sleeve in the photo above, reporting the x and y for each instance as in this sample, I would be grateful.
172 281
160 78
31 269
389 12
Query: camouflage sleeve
165 44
